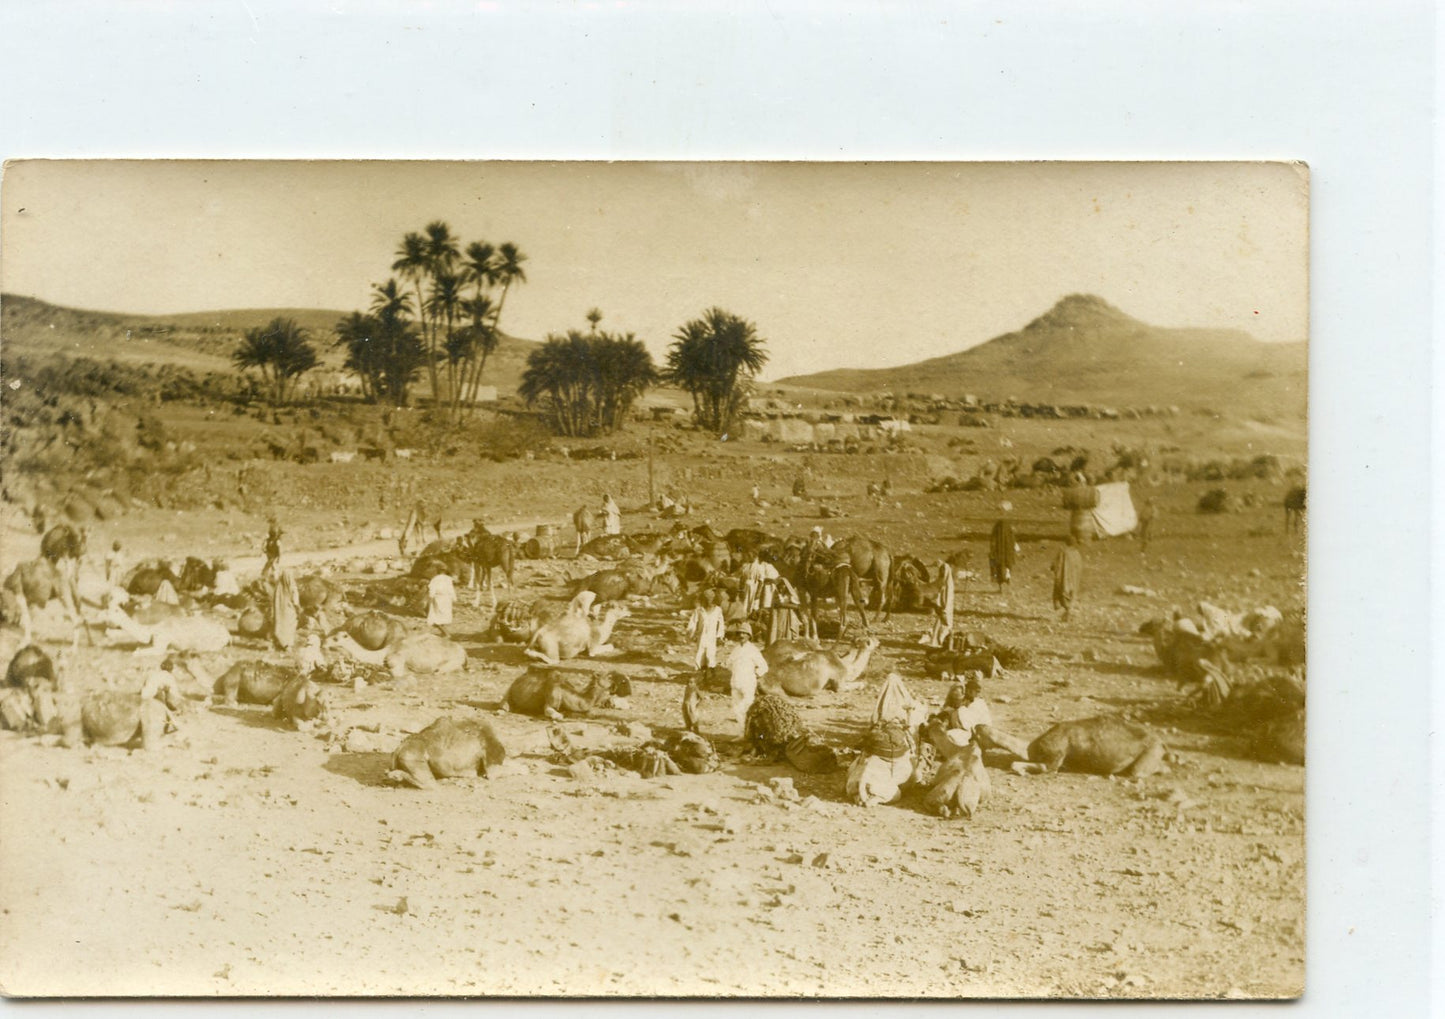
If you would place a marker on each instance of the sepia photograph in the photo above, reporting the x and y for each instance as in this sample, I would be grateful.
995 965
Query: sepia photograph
668 579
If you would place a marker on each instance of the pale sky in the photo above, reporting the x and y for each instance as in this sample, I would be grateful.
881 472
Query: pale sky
839 265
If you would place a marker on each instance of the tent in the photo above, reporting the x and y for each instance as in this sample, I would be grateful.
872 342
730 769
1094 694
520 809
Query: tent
1114 515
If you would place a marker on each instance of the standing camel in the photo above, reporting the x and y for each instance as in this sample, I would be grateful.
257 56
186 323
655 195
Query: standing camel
823 576
416 524
586 522
869 561
485 552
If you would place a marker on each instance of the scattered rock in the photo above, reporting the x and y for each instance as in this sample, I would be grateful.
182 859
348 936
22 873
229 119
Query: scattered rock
633 730
359 741
782 787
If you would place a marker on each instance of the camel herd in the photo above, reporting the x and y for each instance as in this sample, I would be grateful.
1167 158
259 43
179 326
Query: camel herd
337 633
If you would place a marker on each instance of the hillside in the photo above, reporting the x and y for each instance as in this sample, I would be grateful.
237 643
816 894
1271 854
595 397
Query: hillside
201 341
1084 350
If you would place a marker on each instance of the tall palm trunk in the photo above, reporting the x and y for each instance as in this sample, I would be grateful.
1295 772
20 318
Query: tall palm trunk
475 383
431 365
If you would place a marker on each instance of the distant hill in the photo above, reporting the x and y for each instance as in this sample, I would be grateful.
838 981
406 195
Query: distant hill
202 340
1084 350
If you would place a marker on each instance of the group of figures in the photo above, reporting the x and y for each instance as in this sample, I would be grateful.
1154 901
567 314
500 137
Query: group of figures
751 602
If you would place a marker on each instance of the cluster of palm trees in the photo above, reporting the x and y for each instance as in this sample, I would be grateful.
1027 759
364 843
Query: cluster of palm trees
447 323
715 359
382 347
442 316
280 351
588 383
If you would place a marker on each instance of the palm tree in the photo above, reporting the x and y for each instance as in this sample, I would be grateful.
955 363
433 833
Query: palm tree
715 358
388 303
594 315
557 375
280 351
587 383
382 347
402 356
624 371
442 305
481 338
441 247
357 333
479 265
413 265
509 270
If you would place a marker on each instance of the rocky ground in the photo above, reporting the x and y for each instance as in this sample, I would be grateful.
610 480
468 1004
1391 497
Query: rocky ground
242 857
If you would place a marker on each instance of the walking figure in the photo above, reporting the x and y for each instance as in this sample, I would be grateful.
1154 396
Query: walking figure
272 548
1003 550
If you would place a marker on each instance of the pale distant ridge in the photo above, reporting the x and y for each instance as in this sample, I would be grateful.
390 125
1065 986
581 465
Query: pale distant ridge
1085 350
200 340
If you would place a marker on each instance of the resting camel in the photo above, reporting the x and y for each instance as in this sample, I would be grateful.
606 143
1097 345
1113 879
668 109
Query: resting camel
301 702
197 575
30 664
424 654
571 635
315 593
809 672
147 578
555 693
373 630
179 632
63 542
607 546
448 748
617 584
419 654
1102 745
112 718
252 683
518 620
647 543
28 699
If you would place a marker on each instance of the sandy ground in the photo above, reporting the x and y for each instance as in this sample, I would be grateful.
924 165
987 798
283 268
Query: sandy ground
242 857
